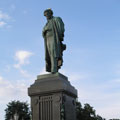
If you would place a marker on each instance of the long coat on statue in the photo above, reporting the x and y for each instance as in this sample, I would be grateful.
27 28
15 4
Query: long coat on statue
53 34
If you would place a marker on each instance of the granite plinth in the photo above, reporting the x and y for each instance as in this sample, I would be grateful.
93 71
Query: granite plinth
52 98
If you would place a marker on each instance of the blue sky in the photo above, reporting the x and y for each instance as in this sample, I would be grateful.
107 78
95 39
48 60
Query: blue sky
92 58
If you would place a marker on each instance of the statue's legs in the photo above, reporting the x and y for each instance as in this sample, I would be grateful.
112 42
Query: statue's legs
51 50
53 64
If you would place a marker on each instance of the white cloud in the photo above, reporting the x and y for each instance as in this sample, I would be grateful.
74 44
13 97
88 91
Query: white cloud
43 71
74 76
4 16
6 89
103 96
4 19
108 111
9 26
2 24
22 57
24 72
1 78
117 80
13 90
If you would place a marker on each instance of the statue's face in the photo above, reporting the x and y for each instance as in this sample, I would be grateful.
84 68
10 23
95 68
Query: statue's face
48 15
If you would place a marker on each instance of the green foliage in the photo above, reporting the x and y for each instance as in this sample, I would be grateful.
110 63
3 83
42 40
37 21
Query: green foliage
86 113
21 108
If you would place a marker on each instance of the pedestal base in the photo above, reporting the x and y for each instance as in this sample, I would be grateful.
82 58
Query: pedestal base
52 98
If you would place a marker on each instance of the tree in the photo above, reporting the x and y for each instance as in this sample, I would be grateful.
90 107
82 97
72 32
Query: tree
20 108
86 113
99 118
79 111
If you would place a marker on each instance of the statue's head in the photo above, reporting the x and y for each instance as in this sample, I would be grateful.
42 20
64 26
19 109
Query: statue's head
48 13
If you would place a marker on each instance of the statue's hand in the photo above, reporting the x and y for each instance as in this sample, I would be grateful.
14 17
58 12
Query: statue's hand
44 33
61 37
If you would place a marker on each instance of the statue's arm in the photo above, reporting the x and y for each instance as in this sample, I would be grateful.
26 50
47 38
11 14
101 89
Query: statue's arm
45 29
60 27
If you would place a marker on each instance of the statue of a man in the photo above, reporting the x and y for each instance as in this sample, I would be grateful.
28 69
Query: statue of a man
53 34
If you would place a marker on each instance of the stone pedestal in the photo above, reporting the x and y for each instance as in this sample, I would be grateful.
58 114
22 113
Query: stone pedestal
52 98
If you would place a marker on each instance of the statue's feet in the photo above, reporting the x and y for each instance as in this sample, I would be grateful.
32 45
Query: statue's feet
53 72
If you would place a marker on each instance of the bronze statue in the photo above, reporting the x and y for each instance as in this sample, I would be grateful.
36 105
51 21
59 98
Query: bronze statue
53 34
